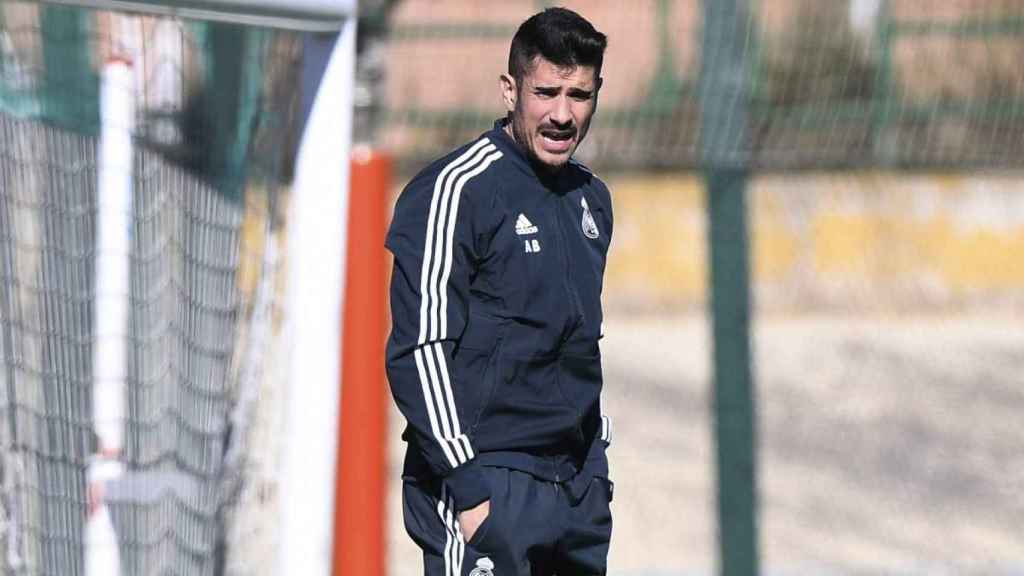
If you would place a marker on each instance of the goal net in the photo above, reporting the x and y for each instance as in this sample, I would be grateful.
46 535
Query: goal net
148 172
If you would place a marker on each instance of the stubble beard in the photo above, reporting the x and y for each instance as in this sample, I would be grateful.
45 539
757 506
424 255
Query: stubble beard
525 142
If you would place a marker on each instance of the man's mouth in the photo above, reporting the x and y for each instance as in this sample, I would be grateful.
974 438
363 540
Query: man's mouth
557 140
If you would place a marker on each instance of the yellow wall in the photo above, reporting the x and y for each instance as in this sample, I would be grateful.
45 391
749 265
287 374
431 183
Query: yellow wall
871 240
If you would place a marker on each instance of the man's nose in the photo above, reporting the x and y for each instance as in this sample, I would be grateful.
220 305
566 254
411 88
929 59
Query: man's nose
561 114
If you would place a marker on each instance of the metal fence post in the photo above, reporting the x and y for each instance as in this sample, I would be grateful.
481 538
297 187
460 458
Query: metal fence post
726 163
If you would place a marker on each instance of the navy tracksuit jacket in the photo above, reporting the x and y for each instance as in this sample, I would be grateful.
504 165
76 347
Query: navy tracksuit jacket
496 308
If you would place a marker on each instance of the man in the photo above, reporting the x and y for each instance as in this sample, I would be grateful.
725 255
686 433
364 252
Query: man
496 304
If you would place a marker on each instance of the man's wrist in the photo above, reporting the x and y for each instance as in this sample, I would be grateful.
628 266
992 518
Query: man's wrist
467 486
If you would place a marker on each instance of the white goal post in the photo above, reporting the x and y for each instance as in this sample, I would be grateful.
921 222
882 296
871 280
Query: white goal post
306 15
316 242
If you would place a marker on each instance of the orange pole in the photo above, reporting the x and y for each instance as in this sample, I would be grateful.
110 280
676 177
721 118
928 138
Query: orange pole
359 513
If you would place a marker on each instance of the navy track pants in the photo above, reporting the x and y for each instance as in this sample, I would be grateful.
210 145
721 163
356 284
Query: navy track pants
535 527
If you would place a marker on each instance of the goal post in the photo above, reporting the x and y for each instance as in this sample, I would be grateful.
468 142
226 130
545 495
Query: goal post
187 319
317 243
304 15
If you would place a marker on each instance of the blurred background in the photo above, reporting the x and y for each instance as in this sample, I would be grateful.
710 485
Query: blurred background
885 225
872 153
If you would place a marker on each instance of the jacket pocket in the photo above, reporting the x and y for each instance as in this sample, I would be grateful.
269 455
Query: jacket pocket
475 360
580 380
526 409
482 333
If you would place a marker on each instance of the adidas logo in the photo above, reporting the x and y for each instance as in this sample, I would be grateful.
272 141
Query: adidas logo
524 226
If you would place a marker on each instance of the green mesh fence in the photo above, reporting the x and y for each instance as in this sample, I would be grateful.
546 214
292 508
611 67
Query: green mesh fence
885 142
925 423
831 83
216 115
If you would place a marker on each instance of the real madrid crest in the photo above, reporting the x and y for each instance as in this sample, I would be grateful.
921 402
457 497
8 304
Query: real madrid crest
589 225
484 567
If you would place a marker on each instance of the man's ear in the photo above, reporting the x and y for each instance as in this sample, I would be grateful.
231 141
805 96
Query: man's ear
508 92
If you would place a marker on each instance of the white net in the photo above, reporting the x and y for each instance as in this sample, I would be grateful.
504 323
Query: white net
214 140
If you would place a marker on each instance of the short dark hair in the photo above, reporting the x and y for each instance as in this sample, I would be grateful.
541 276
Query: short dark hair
561 37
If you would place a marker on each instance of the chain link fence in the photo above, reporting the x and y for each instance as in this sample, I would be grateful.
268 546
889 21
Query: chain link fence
884 141
836 84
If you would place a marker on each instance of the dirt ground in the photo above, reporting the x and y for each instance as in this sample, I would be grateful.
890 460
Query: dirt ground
888 445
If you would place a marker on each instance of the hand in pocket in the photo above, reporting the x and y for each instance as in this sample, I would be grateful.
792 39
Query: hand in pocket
470 520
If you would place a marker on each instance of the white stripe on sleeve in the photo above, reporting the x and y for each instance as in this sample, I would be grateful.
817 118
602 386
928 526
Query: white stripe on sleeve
435 272
441 254
451 236
431 413
427 244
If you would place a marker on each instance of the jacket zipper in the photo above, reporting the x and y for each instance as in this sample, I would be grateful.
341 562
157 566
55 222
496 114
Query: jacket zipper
564 245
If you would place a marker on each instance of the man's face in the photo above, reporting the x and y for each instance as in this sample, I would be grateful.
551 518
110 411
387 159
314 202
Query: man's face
551 110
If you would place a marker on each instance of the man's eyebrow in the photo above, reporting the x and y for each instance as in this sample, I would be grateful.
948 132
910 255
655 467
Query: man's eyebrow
556 89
